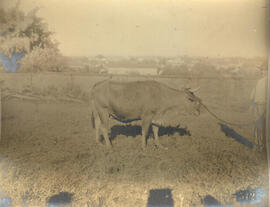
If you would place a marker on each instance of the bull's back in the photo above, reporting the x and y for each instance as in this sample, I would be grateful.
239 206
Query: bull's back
133 95
127 97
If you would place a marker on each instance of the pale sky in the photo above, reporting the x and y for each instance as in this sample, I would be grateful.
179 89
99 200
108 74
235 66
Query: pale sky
157 27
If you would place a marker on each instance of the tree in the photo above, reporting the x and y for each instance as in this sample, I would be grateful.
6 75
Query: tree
25 37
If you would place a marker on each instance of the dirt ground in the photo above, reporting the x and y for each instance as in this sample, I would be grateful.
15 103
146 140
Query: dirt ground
50 147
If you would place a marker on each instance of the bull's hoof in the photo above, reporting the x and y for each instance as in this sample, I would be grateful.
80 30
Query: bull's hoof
162 147
143 147
109 146
158 145
99 142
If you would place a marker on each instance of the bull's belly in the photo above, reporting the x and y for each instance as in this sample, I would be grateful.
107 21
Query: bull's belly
166 116
165 123
161 122
169 118
124 117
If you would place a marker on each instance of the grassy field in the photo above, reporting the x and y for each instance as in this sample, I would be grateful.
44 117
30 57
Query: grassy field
48 146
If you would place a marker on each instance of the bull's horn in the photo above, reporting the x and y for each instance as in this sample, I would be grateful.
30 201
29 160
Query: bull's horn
194 90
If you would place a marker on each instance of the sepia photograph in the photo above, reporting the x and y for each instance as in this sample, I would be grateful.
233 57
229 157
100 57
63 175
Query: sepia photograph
122 103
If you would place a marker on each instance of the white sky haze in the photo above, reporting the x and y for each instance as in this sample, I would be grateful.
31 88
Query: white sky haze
157 27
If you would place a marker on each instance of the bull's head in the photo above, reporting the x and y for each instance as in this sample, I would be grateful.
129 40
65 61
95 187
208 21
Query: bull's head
196 101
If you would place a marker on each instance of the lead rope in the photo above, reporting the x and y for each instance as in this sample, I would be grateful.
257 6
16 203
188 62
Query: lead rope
227 122
193 97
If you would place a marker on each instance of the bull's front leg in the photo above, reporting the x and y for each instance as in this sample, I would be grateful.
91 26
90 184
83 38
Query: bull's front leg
145 129
156 137
143 140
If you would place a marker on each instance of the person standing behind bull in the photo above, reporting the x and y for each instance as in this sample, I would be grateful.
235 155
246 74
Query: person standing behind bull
258 103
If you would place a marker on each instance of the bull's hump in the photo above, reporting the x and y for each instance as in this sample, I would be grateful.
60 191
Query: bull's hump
139 82
135 87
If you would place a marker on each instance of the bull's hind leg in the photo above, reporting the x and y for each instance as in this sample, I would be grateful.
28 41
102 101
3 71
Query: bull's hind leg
156 137
97 126
106 136
104 118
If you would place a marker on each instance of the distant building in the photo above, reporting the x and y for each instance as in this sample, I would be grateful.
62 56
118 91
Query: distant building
132 71
175 61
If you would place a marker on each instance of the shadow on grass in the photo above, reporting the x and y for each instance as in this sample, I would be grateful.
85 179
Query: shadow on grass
135 130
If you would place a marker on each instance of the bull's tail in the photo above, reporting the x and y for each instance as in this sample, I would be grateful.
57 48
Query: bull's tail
93 120
92 107
94 114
